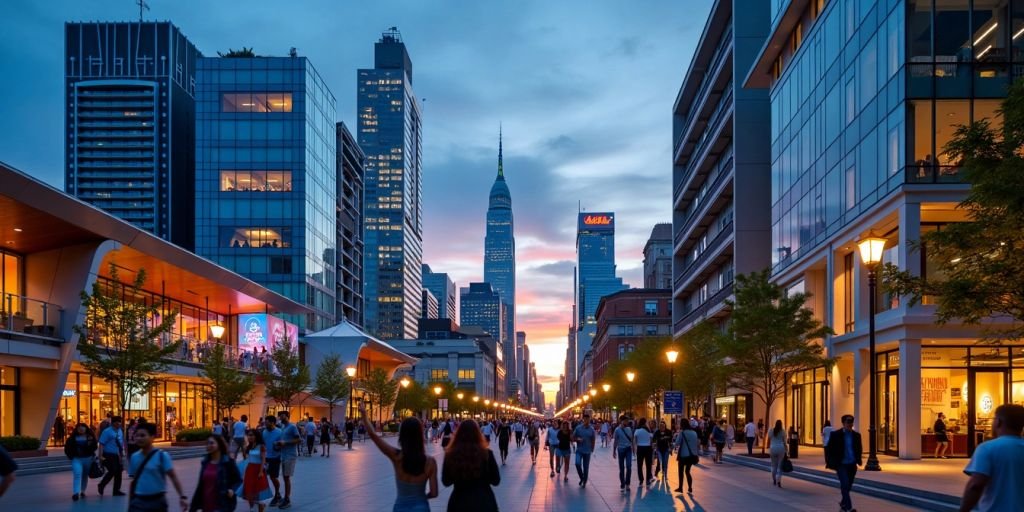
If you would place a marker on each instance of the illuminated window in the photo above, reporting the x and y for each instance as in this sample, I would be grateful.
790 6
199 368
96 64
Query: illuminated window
467 374
256 238
438 374
255 181
256 102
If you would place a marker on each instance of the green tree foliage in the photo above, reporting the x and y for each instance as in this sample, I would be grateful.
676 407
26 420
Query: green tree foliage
331 383
380 390
120 340
651 367
978 263
244 53
287 376
414 399
229 387
701 368
771 334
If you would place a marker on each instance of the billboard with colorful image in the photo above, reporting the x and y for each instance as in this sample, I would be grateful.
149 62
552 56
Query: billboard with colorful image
259 330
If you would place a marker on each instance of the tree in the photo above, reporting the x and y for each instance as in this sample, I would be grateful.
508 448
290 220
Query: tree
649 364
331 384
380 390
414 399
287 376
977 263
229 387
244 53
123 341
771 334
703 370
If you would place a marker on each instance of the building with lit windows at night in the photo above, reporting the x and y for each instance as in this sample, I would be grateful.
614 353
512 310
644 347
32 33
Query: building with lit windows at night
595 278
500 267
389 132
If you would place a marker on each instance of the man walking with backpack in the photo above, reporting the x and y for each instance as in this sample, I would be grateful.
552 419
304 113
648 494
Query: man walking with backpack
148 490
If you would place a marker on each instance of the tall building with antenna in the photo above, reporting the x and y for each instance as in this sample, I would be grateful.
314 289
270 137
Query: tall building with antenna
389 134
500 266
129 102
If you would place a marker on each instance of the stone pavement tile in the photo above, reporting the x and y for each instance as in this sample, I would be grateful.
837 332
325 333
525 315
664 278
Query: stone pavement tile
362 480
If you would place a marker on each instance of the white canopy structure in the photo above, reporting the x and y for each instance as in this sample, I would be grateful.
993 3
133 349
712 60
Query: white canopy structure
355 347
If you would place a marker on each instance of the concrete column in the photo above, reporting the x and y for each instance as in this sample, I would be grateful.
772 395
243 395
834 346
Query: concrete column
909 399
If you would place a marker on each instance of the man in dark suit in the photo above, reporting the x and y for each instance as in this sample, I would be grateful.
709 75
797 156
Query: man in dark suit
843 454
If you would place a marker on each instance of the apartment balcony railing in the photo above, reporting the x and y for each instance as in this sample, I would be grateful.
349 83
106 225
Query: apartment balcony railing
20 314
701 311
934 174
197 351
693 265
699 204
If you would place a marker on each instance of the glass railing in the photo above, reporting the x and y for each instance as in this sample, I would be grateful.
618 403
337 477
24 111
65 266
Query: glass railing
25 315
934 174
194 350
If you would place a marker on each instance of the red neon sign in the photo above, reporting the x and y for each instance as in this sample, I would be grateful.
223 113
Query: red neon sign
597 220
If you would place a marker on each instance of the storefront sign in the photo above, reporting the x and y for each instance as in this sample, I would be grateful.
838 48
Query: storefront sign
725 400
68 393
258 331
933 390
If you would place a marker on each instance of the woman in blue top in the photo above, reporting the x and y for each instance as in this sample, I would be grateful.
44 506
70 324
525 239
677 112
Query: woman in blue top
413 469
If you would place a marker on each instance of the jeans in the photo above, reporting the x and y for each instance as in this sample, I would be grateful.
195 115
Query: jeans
750 445
80 471
663 461
112 462
643 461
777 457
583 465
846 474
625 465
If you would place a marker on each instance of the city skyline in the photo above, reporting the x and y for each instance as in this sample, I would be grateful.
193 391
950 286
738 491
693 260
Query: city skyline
555 164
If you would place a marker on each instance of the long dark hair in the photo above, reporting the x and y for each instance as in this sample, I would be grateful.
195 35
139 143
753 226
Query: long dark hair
257 439
778 428
222 446
467 453
410 440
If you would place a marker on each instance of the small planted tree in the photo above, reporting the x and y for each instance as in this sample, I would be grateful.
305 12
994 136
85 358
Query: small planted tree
120 340
287 376
701 359
229 387
331 383
414 398
977 263
771 334
381 390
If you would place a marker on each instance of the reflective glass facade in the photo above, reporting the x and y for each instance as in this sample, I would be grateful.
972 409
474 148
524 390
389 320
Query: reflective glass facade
500 264
595 273
389 134
266 177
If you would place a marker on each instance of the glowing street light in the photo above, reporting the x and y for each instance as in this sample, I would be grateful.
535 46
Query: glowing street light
871 248
405 382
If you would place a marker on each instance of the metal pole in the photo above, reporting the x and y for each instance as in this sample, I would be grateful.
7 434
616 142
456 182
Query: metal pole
671 387
872 463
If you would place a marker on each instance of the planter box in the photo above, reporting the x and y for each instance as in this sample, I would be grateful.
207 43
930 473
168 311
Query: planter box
189 443
24 454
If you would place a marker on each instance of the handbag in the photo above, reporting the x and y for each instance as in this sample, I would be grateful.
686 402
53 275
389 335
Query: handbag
787 465
96 470
691 458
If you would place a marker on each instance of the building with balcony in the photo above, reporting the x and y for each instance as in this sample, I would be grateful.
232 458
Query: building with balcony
349 294
721 166
54 247
129 101
266 177
624 320
864 97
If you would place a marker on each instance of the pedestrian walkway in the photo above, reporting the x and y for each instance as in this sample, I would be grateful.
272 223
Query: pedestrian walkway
362 480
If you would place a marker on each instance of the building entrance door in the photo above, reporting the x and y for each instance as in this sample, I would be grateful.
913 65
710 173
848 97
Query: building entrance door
888 417
987 390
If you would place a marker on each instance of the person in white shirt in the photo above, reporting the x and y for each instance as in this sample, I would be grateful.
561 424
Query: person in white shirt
487 430
997 476
750 432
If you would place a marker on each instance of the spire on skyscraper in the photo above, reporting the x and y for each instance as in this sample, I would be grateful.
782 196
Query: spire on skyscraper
501 171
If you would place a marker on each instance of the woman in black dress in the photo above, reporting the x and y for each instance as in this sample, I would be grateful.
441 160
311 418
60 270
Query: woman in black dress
470 466
504 435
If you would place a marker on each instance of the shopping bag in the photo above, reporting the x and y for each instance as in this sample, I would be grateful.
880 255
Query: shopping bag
96 470
787 465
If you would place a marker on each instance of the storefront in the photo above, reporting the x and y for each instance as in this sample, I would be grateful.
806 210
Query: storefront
807 403
172 404
10 396
964 383
734 409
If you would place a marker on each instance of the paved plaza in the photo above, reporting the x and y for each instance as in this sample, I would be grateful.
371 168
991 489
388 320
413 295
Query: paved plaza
362 480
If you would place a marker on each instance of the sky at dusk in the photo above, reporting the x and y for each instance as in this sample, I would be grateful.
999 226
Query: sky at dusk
583 90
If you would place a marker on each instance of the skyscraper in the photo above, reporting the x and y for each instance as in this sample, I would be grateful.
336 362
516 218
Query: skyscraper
482 307
595 275
442 286
266 177
500 265
389 134
130 123
350 171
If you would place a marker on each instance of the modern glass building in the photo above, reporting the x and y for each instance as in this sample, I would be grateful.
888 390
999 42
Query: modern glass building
350 171
442 286
595 276
130 123
500 266
266 179
481 306
390 136
864 97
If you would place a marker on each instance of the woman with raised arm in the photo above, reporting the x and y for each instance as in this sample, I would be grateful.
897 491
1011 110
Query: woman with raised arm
413 469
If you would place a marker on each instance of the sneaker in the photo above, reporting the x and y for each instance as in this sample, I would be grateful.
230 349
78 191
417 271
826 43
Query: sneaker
277 499
285 503
74 497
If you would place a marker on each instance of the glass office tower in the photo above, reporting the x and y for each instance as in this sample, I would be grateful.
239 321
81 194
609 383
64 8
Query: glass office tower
864 96
595 274
266 177
442 286
389 133
350 168
130 123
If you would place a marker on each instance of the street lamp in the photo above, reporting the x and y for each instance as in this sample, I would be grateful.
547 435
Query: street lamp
672 355
351 371
871 249
629 378
607 387
404 382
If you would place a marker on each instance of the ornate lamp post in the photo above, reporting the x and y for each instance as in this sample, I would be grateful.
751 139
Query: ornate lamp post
351 371
437 393
672 355
871 249
630 376
459 396
606 387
